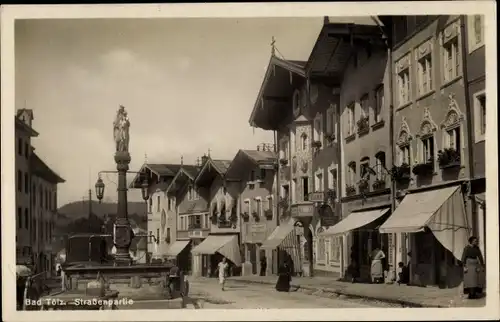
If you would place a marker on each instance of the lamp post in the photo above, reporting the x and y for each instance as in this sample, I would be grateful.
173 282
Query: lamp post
122 232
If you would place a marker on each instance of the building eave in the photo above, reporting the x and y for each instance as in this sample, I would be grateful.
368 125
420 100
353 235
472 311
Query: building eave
20 125
177 176
208 163
42 170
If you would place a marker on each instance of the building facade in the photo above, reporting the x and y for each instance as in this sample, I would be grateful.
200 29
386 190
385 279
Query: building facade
24 218
255 173
431 147
474 76
224 237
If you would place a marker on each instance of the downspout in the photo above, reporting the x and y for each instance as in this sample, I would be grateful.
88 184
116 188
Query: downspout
470 129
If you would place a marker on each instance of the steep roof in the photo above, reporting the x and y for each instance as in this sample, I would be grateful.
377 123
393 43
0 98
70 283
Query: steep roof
247 160
220 167
160 169
42 170
190 171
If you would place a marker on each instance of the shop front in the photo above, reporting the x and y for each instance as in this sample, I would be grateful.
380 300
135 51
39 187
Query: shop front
359 231
208 254
438 228
180 252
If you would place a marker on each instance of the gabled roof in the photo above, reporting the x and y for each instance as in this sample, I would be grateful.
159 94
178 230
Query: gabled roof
189 171
20 125
292 66
245 158
42 170
159 169
220 167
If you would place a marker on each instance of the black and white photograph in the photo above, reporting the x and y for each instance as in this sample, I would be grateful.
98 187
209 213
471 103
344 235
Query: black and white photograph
249 166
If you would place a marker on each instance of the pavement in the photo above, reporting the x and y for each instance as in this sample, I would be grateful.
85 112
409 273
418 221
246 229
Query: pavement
400 295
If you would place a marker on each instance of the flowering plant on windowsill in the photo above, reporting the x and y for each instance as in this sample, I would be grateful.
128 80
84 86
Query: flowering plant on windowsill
283 162
350 190
255 216
330 137
378 184
269 214
448 158
363 124
331 195
233 217
363 185
400 173
424 169
316 144
245 216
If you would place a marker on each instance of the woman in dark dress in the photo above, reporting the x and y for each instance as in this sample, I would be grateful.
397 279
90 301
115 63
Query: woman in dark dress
284 278
473 264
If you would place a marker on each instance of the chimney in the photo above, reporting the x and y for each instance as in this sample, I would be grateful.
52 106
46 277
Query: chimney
204 159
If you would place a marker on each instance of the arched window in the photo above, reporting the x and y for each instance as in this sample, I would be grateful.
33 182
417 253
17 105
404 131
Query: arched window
351 173
304 141
380 165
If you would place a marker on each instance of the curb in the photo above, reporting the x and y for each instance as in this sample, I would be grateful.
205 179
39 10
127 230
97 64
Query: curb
311 290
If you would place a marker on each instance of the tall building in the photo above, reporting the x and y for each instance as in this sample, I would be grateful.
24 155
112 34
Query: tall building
24 228
432 220
474 76
254 171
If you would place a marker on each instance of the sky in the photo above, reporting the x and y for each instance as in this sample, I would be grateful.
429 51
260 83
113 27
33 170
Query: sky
188 85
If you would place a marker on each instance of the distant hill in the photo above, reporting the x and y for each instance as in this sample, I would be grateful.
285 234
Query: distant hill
78 209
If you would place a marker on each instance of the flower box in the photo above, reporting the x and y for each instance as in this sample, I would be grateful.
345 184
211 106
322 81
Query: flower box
331 195
378 184
330 137
363 185
283 162
269 214
400 173
424 169
316 144
363 125
350 190
255 216
233 218
245 216
448 158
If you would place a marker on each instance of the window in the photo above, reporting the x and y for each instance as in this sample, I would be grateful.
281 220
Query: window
207 221
380 165
428 149
19 180
167 238
364 166
451 59
336 249
351 119
332 180
19 217
379 103
26 150
169 204
158 203
296 102
305 188
351 173
26 183
270 203
262 175
251 176
294 190
363 103
150 206
329 121
33 194
318 181
480 116
304 141
318 128
404 86
190 193
475 27
194 221
321 252
258 207
424 71
453 139
20 146
41 196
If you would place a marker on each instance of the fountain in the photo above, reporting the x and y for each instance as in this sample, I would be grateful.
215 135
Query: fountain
122 266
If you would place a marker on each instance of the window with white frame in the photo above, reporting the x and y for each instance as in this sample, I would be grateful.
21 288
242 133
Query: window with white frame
336 248
321 252
451 59
150 205
293 143
296 102
169 204
379 103
318 181
351 173
258 206
332 178
304 142
329 121
453 138
318 128
351 120
475 27
270 203
364 104
404 86
404 154
364 165
158 203
427 149
246 207
424 74
294 191
480 116
380 165
190 193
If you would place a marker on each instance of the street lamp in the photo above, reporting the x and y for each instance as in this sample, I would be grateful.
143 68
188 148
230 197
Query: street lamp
145 189
99 189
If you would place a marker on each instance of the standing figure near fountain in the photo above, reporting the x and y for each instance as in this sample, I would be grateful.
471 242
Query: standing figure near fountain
121 127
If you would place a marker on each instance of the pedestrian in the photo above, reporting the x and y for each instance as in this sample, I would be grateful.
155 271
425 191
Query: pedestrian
353 268
377 269
473 264
263 265
284 278
222 270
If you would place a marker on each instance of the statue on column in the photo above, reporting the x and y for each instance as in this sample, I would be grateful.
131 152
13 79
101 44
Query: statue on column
121 127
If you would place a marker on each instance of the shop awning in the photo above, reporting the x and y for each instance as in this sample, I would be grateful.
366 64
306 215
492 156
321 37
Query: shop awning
226 245
177 247
441 210
279 235
355 220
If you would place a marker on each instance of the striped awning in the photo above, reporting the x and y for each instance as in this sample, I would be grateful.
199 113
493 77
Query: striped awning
177 247
279 235
355 220
226 245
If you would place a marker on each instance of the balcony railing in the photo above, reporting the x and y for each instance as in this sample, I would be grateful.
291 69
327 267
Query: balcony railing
194 226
